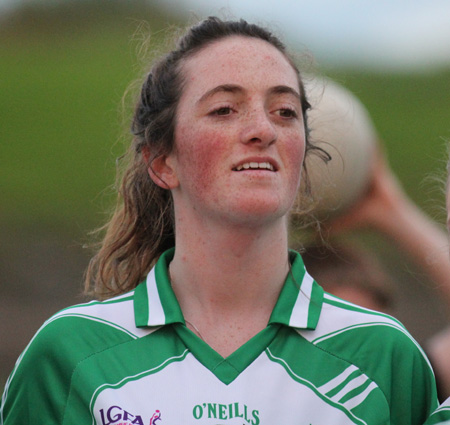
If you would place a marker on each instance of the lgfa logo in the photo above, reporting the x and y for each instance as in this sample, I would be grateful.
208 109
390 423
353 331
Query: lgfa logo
156 417
115 415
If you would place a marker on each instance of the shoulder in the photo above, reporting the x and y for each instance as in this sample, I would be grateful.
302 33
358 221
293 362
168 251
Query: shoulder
340 320
359 333
115 314
83 329
381 347
80 330
59 346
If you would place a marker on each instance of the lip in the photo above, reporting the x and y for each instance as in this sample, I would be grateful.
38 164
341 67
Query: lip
260 160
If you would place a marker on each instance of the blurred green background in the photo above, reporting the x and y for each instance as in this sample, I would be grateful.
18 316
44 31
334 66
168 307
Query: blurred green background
64 68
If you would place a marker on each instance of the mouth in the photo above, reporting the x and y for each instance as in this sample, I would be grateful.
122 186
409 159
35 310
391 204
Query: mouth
255 166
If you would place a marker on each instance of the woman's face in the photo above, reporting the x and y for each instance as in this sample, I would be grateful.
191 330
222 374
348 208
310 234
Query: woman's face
239 135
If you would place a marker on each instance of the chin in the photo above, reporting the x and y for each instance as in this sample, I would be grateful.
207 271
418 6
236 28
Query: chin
255 213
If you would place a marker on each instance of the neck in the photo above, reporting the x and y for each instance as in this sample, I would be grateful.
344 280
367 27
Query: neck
231 272
227 276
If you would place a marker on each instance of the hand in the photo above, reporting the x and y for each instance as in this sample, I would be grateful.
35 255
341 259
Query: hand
379 206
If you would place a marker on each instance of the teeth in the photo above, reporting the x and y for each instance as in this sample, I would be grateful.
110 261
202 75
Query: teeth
255 166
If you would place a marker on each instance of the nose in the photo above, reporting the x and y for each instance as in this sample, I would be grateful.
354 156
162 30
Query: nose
259 129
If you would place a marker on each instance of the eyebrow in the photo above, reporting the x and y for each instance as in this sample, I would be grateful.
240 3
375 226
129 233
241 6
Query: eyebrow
228 88
285 90
232 88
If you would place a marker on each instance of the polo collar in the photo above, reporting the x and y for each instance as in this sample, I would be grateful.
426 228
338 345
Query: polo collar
298 306
300 301
155 303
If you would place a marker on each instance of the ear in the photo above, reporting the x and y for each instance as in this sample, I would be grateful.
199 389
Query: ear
161 170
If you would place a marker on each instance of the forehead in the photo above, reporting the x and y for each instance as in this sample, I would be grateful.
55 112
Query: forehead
246 61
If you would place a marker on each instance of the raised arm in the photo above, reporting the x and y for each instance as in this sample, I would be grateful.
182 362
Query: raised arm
386 208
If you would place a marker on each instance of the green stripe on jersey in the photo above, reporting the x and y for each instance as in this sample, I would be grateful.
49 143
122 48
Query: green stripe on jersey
327 375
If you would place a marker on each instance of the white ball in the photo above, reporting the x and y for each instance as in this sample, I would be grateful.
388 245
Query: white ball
341 125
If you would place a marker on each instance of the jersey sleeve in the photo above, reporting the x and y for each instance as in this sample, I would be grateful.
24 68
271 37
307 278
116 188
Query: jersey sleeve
39 385
394 361
411 388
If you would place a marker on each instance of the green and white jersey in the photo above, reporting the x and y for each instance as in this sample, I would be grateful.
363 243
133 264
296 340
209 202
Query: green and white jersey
132 360
441 416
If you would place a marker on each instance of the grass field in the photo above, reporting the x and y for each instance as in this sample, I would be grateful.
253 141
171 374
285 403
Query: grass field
61 120
62 79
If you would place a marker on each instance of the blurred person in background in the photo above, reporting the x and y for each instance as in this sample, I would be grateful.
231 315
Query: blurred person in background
361 192
439 349
386 209
351 271
206 313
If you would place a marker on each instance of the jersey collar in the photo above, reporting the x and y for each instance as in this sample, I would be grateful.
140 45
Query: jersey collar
300 301
298 306
155 303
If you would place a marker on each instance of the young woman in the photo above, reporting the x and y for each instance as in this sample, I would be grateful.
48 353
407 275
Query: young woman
209 318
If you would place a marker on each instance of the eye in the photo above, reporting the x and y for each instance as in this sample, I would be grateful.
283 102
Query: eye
287 113
222 111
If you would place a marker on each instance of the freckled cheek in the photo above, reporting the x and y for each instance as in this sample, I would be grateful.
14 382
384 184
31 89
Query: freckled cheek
203 158
296 156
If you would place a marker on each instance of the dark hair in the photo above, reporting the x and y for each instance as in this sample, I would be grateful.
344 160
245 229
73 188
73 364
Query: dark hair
142 226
